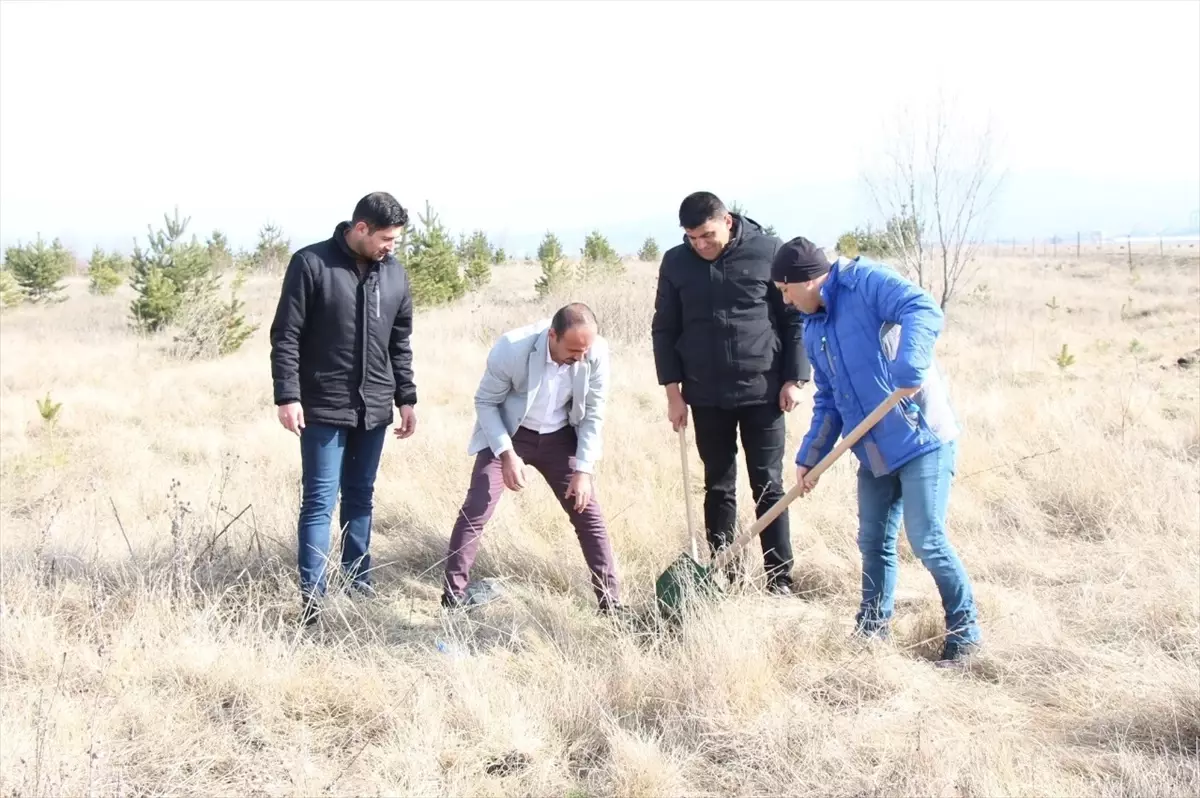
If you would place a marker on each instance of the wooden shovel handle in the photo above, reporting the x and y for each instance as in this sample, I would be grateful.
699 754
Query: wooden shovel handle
844 444
687 489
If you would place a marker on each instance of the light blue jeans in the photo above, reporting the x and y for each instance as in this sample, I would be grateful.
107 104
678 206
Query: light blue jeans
917 493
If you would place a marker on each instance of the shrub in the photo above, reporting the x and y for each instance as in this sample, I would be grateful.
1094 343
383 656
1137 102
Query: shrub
219 252
599 258
10 292
866 242
207 327
649 251
476 252
165 274
431 259
740 210
847 245
555 270
105 271
273 251
38 270
499 256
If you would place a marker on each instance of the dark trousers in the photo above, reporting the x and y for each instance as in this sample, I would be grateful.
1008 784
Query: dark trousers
764 436
550 455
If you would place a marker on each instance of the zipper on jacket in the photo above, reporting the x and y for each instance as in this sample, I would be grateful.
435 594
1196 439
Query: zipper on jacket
376 297
366 339
828 356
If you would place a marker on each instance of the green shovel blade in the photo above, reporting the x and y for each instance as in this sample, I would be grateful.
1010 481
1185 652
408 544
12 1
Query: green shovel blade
683 580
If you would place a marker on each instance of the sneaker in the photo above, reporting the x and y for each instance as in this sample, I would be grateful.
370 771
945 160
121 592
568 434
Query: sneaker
482 591
363 590
872 631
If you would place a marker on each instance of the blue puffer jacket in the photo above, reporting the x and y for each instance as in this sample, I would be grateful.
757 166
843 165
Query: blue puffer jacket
876 333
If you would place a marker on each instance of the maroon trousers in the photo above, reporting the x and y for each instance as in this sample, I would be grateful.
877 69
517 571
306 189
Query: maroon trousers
550 455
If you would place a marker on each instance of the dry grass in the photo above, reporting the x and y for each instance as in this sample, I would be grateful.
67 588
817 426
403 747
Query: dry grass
159 653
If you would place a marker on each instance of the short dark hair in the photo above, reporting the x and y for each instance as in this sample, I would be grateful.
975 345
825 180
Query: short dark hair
572 315
379 209
698 207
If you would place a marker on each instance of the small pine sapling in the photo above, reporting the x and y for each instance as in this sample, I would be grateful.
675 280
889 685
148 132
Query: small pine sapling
555 270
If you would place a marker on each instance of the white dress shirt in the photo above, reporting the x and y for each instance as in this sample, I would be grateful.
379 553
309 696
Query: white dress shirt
548 412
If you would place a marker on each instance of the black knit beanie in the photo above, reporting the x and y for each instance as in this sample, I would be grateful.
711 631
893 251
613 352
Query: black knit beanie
798 261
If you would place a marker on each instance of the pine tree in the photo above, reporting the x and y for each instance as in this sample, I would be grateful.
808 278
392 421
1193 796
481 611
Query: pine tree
38 269
235 328
477 255
10 292
555 270
217 246
431 259
167 273
649 251
208 327
599 258
105 271
273 251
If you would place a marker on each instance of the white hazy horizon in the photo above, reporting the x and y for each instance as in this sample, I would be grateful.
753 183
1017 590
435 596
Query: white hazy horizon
522 117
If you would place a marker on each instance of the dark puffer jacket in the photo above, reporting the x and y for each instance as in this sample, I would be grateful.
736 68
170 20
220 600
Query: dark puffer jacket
340 341
721 328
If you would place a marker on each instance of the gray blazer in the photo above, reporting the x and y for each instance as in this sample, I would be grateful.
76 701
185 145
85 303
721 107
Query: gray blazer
510 382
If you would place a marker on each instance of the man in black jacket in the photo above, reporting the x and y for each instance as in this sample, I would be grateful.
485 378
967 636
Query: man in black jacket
728 346
340 359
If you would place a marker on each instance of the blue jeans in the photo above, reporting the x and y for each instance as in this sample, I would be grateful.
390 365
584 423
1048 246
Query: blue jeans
918 492
334 458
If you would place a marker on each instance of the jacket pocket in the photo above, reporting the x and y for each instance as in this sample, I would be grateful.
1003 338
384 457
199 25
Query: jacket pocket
755 351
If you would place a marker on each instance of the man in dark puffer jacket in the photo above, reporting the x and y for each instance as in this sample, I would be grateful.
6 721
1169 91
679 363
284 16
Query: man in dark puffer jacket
340 359
728 346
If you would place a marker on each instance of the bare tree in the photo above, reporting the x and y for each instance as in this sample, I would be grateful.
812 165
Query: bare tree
934 191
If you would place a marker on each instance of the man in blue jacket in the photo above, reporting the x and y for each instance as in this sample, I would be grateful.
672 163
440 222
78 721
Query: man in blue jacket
868 331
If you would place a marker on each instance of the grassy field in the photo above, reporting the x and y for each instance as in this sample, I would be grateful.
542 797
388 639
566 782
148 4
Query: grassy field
148 618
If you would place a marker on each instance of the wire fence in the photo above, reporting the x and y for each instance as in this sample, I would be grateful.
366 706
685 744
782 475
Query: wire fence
1081 245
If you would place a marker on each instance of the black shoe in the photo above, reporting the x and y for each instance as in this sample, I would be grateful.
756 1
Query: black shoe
956 652
309 611
618 613
780 587
452 602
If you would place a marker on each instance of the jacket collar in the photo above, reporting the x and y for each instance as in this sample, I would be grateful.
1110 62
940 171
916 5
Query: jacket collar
842 272
339 240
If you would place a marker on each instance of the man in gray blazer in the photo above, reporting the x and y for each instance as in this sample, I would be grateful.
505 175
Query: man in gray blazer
540 405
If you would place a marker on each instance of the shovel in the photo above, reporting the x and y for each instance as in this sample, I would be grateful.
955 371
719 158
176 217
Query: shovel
687 493
686 575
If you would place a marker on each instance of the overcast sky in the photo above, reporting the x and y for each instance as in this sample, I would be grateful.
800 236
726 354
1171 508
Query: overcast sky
522 117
